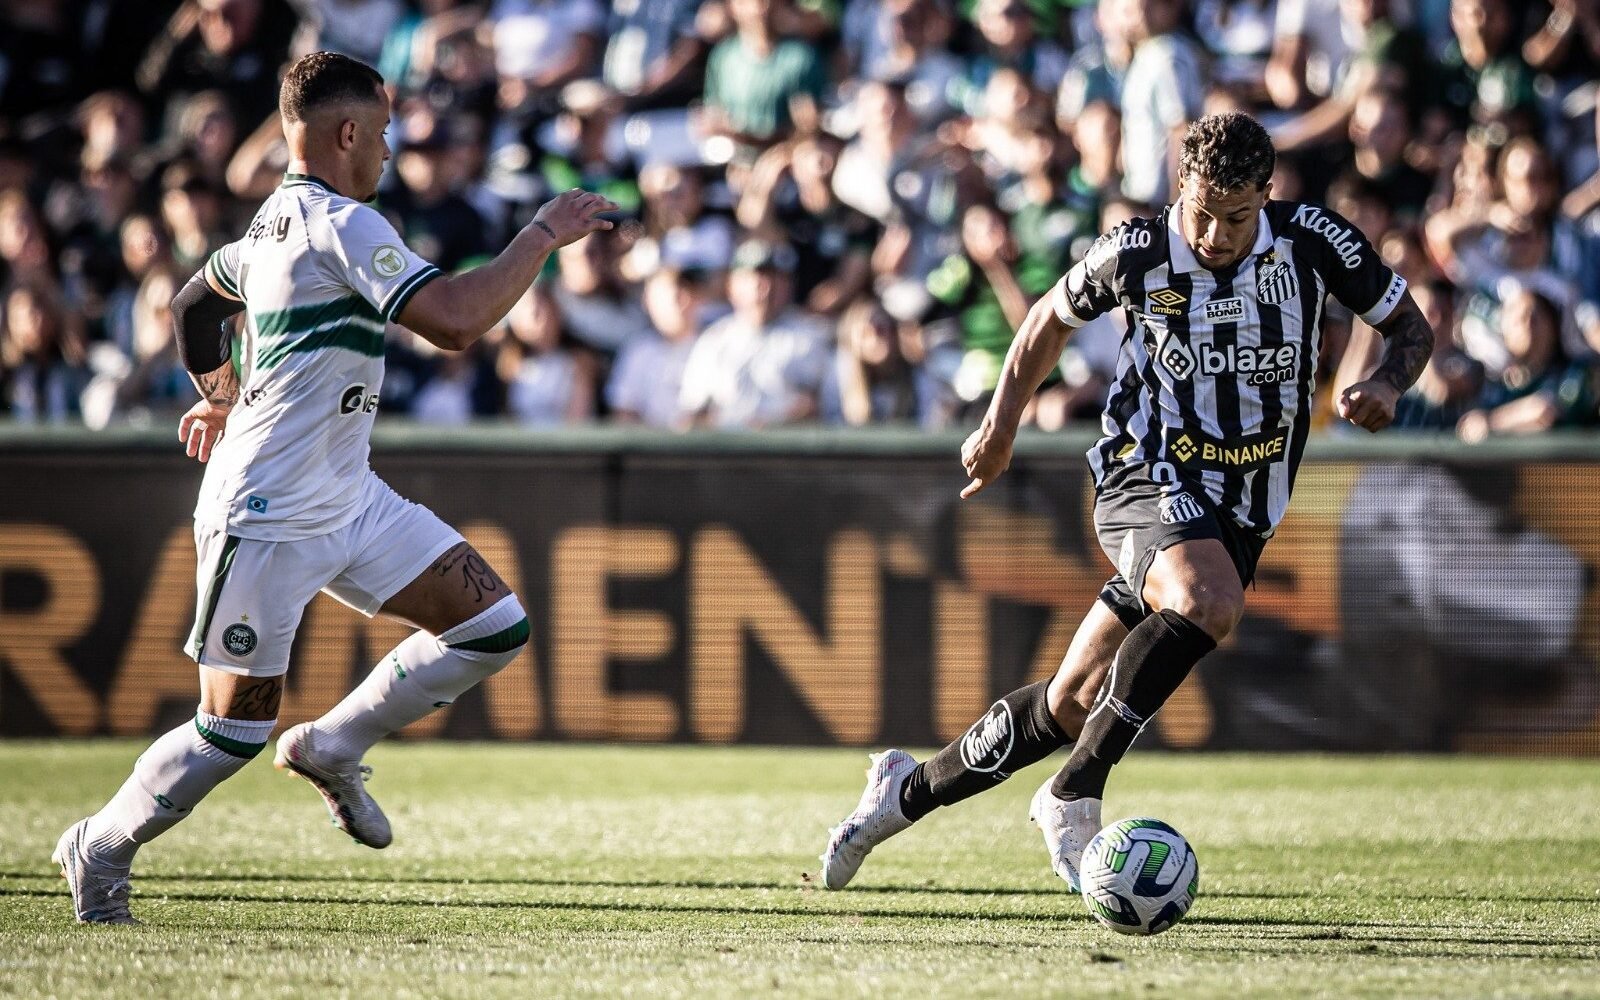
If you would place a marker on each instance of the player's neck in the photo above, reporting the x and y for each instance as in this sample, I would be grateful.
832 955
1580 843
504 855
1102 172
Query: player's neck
328 174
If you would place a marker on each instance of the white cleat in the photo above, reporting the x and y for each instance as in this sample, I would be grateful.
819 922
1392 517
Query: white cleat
342 786
1067 827
99 890
877 818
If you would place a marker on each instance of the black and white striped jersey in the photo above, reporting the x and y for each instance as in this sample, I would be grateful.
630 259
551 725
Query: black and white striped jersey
1218 368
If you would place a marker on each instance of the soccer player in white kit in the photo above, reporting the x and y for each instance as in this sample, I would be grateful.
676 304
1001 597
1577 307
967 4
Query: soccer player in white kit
289 505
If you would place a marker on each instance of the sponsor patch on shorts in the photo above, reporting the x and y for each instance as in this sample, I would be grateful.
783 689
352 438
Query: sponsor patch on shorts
239 639
1180 508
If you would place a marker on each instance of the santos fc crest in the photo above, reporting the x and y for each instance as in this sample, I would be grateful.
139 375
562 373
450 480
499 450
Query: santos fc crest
1275 280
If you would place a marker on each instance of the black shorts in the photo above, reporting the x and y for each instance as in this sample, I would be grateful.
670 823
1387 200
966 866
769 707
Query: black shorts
1135 516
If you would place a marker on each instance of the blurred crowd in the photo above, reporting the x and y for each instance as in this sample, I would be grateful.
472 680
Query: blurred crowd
837 210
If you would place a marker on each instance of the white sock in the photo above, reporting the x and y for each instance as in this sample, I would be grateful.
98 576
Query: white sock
420 675
170 778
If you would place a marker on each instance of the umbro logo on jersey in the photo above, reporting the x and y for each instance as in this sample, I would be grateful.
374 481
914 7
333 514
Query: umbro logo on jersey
1168 302
1275 282
1180 508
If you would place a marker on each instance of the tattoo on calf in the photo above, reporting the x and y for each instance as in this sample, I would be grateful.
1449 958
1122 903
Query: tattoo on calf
477 578
1409 344
259 700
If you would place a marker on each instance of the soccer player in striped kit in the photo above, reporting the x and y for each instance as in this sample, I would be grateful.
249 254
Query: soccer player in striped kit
1204 430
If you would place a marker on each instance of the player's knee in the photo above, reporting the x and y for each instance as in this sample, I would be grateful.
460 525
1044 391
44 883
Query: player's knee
1215 607
493 638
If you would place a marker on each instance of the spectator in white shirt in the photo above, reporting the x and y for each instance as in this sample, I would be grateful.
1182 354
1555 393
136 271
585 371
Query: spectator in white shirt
762 366
1161 94
596 305
549 379
647 381
541 45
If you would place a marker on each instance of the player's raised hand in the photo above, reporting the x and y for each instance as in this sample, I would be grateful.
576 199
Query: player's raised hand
1369 404
985 455
201 428
572 215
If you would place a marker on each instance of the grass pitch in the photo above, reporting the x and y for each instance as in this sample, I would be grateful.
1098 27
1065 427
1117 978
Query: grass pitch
679 871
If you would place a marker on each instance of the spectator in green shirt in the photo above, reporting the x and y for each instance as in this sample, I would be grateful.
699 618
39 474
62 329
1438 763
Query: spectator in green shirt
983 289
758 84
1484 78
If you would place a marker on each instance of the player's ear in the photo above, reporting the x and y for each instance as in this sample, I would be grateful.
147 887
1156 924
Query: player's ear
1266 192
347 133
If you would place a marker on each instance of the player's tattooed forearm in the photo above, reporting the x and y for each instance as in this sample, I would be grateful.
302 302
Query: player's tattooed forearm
1408 345
220 387
477 578
259 700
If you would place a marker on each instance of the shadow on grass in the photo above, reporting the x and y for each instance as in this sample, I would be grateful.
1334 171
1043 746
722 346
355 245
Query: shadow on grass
1396 931
636 883
1258 935
734 884
575 883
598 906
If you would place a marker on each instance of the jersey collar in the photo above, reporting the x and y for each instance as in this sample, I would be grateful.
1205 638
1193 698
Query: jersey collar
291 179
1183 259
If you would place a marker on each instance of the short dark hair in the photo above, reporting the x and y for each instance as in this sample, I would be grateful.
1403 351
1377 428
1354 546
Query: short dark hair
323 78
1228 151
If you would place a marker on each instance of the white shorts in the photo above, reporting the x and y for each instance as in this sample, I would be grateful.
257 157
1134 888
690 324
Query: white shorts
252 593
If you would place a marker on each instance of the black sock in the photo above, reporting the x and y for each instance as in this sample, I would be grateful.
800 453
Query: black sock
1018 730
1152 661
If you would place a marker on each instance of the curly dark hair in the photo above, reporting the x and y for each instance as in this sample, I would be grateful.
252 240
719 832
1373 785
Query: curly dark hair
325 78
1228 151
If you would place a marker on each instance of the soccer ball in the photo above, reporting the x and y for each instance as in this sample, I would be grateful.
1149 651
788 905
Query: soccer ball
1139 876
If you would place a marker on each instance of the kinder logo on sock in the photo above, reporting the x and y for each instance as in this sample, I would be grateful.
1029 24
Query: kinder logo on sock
988 743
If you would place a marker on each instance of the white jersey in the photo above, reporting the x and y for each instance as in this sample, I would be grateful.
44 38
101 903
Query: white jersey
320 276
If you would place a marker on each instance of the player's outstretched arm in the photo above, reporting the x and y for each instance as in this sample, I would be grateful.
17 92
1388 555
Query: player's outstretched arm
1408 343
453 312
198 313
1034 352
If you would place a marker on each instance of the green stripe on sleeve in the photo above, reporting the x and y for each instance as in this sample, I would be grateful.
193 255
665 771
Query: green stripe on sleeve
227 744
214 265
503 641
